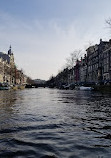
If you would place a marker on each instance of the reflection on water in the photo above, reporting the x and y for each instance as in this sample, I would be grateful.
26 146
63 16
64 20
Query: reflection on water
55 123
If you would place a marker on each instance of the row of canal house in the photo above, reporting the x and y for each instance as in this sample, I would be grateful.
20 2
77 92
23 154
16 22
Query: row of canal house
8 71
95 67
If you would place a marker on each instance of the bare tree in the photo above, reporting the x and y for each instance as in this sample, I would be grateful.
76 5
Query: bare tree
108 25
88 44
71 60
30 81
108 22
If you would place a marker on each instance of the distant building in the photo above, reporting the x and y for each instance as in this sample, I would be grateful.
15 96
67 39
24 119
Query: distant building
95 67
8 71
83 69
1 70
6 65
98 57
77 72
107 63
39 81
92 64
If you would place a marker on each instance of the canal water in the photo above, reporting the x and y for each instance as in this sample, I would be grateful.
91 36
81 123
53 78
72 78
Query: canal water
45 123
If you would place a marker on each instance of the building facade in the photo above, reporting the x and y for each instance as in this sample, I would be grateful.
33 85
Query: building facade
98 62
107 64
95 67
8 71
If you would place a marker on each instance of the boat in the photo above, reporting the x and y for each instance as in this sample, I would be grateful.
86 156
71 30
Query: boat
16 87
85 88
4 86
21 87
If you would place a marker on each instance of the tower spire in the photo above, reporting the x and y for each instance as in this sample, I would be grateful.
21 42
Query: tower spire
10 51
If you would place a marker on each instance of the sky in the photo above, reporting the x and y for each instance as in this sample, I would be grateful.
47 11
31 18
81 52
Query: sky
43 33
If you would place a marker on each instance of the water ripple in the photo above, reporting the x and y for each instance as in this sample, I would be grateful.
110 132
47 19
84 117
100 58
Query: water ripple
46 123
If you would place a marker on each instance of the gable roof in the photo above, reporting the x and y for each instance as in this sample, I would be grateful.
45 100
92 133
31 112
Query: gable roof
5 57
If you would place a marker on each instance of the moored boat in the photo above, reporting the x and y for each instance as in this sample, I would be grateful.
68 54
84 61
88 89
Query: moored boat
21 87
16 87
85 88
4 86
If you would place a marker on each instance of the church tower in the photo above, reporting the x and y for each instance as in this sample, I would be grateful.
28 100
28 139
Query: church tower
10 54
12 67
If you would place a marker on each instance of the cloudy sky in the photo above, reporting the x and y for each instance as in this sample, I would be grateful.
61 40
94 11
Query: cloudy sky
43 33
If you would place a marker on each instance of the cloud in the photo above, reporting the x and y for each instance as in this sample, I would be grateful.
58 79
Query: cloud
41 47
